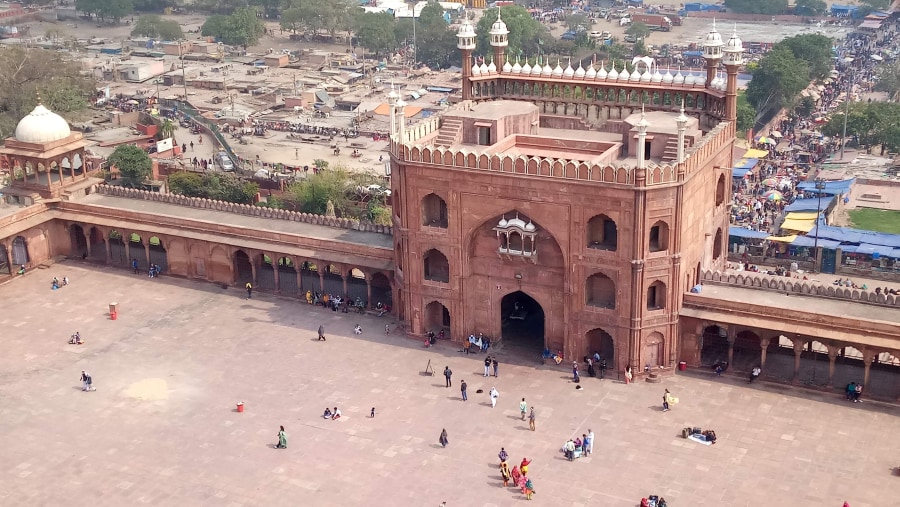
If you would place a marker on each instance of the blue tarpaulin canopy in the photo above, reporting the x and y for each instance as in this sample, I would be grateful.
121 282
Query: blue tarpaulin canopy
739 172
856 236
831 187
882 251
806 241
747 163
740 232
808 204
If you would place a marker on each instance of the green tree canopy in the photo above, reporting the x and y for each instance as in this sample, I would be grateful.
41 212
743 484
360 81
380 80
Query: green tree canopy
155 27
527 36
813 49
105 9
133 163
375 32
186 183
578 23
639 30
757 6
212 185
889 80
810 7
435 41
241 28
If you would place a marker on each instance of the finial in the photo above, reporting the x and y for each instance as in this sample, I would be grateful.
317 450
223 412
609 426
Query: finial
682 106
498 14
38 93
714 24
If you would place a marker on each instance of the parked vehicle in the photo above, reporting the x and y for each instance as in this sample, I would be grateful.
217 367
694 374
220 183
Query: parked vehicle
656 22
223 162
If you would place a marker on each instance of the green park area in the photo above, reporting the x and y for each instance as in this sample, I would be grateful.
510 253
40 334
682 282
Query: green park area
875 220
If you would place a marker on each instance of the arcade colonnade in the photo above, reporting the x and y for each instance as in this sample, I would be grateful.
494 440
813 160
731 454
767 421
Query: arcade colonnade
266 269
791 358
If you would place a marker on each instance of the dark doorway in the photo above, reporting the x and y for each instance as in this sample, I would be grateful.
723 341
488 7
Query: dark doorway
98 246
158 254
5 268
117 255
381 290
601 342
309 277
334 283
19 251
356 285
79 242
522 321
437 318
243 271
715 345
287 276
265 272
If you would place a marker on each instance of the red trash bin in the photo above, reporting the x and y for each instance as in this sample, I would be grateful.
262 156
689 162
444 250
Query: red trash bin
682 366
240 407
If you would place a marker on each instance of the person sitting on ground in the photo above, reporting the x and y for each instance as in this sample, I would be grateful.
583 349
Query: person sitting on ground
76 339
65 281
357 329
578 443
336 414
327 414
21 270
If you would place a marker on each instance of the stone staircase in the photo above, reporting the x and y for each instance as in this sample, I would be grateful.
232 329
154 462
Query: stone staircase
670 153
450 133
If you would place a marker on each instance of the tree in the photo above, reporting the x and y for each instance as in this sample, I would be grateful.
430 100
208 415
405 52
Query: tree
757 6
639 30
810 7
315 192
578 23
186 183
153 26
889 80
435 42
814 49
133 163
526 35
805 107
778 79
292 19
26 73
166 129
375 32
242 28
105 9
746 115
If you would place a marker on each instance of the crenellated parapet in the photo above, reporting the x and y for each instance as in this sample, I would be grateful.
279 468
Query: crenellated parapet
242 209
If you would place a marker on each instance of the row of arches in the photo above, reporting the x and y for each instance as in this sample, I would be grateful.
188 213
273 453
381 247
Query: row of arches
47 172
16 256
265 271
600 292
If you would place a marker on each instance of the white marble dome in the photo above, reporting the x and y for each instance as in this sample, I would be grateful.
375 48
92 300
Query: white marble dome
42 126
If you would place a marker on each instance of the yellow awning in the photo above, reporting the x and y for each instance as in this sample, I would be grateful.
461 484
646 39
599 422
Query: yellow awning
783 239
798 225
801 215
756 154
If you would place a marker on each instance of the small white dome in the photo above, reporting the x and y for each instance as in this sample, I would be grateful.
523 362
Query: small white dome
548 70
591 72
624 75
558 71
492 69
526 69
713 38
530 226
42 126
516 222
507 67
516 69
499 27
656 77
613 74
466 30
537 69
734 43
580 73
484 69
503 222
690 79
668 77
678 79
569 72
636 76
476 69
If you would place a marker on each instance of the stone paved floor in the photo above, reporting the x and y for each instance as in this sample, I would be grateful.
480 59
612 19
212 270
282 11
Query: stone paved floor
162 429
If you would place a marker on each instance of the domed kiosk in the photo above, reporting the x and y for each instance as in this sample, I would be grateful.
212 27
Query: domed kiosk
44 155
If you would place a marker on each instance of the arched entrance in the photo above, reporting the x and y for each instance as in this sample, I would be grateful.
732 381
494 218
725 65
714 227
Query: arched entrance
79 242
117 255
654 346
158 254
715 345
437 318
381 290
522 321
98 246
333 282
19 251
137 252
243 271
287 276
5 268
309 277
265 272
601 342
356 285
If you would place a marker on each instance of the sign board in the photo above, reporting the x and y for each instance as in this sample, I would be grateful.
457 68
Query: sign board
164 145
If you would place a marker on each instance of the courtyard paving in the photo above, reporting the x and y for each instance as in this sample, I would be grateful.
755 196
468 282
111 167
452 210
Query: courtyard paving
162 428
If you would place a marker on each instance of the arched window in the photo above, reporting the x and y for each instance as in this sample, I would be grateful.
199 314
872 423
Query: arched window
600 291
659 237
602 233
656 296
434 211
720 190
437 269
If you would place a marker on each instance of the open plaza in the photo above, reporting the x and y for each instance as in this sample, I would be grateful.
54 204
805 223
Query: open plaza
162 426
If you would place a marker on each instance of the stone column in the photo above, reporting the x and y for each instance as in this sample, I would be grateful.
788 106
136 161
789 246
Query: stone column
321 265
87 239
369 292
764 346
126 237
344 279
299 273
147 249
106 244
731 339
868 357
276 274
832 357
253 270
798 349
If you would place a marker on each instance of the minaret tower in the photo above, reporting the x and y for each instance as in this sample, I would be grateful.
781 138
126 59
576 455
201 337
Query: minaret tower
466 44
733 59
642 140
681 120
499 38
712 52
392 101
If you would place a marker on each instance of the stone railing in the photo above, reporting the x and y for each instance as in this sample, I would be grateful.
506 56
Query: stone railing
243 209
786 285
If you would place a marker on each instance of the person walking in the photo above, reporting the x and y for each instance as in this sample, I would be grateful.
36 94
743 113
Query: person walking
628 375
589 445
531 419
86 381
447 374
322 333
529 488
523 408
505 473
249 288
667 399
575 377
494 395
523 466
462 390
282 439
495 365
134 265
487 366
466 344
503 455
570 450
443 439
